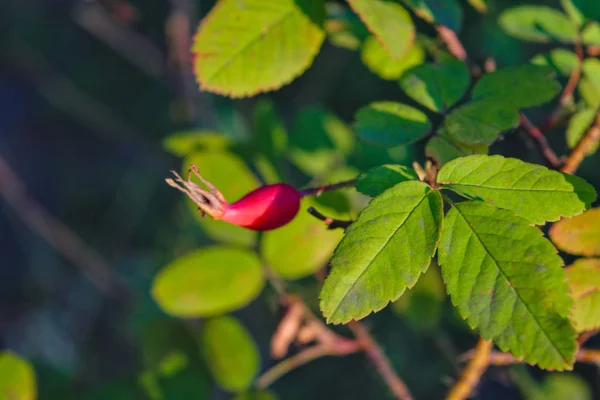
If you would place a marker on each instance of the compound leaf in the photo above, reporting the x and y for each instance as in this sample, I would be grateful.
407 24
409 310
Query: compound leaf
578 235
522 86
383 252
538 24
389 124
389 22
584 282
437 86
207 282
508 282
532 191
244 47
377 180
230 352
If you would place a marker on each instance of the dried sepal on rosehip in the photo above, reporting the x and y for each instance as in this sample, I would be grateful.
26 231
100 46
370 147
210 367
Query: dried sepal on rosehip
266 208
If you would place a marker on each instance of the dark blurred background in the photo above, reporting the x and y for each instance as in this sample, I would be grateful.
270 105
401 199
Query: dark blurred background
88 91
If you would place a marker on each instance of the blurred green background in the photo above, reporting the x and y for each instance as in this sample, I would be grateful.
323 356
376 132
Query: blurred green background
89 93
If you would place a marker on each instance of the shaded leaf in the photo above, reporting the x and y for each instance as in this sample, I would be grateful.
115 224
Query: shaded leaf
538 24
17 377
383 252
389 22
560 60
437 86
344 28
532 191
443 12
578 235
208 282
218 168
389 124
244 47
303 246
377 180
379 61
230 352
183 143
480 122
319 141
522 86
589 9
270 135
443 149
488 258
584 282
579 123
260 395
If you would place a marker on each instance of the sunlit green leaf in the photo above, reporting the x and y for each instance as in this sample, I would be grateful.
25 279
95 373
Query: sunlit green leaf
437 86
377 180
208 282
584 282
590 36
578 235
183 143
589 93
219 168
443 12
17 378
230 352
383 252
389 124
379 61
560 60
538 24
443 149
344 28
479 5
522 86
579 123
480 122
489 257
303 246
319 141
389 22
591 70
518 186
244 47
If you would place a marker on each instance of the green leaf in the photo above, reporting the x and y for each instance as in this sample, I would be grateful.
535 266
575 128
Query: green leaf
587 8
508 282
218 168
344 28
303 246
183 143
443 149
443 12
479 5
532 191
207 282
591 70
538 24
579 123
244 47
261 395
230 352
589 93
437 86
522 86
319 141
578 235
17 378
389 124
377 180
590 36
560 60
379 61
270 135
584 282
389 22
383 252
480 122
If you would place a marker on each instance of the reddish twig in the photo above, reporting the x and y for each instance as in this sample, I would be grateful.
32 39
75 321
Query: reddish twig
566 95
480 359
380 361
500 359
326 188
590 139
542 144
456 48
331 223
585 336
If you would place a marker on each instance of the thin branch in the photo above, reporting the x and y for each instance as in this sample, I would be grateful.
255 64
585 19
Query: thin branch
567 94
383 365
585 336
540 140
331 223
326 188
61 237
498 358
583 147
473 372
456 48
